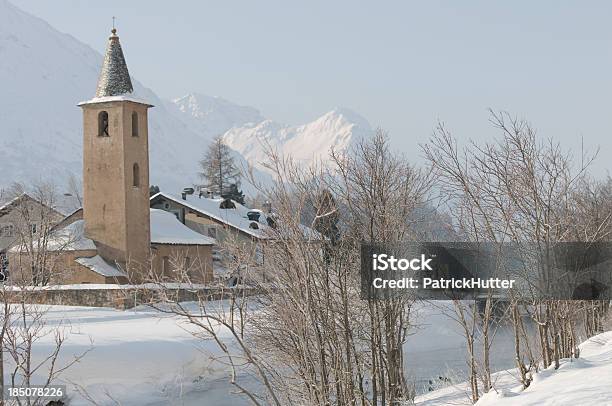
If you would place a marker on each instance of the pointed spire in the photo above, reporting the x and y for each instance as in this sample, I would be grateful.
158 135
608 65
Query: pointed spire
114 78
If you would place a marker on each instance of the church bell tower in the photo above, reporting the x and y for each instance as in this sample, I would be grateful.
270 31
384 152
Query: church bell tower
116 166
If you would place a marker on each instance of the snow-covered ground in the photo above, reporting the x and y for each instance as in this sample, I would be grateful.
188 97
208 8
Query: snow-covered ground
142 357
586 381
138 357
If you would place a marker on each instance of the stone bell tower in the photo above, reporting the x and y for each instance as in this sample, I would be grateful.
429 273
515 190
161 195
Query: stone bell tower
116 166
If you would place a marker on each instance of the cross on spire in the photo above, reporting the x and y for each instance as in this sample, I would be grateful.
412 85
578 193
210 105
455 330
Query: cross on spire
114 78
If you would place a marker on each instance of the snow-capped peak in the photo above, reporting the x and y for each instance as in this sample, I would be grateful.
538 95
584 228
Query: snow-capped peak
346 115
44 73
312 142
212 116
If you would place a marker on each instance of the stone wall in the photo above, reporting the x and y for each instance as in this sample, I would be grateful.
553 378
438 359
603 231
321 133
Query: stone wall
124 296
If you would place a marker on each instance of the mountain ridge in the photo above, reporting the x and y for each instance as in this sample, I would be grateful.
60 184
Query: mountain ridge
44 73
309 143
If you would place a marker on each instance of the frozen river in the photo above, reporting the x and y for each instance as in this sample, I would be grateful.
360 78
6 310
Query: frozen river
140 358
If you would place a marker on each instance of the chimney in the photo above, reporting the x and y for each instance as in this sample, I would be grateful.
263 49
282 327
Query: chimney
187 191
267 206
254 215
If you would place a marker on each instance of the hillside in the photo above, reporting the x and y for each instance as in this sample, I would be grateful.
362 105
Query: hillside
43 75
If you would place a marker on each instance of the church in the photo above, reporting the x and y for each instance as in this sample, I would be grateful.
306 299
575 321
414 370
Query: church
116 237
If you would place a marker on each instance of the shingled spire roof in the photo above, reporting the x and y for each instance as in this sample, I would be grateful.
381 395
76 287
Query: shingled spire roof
114 78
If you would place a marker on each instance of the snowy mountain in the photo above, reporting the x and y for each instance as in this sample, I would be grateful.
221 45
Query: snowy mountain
44 73
211 116
248 133
312 142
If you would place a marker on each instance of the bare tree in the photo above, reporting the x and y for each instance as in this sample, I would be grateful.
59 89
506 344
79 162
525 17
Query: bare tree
307 335
7 312
337 348
26 326
381 191
220 316
33 220
524 191
35 259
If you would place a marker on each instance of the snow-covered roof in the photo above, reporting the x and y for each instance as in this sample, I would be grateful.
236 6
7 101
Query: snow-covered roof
70 238
166 229
236 218
107 99
100 266
65 204
5 204
74 234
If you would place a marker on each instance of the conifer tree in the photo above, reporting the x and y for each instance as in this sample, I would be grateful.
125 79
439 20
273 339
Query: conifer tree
219 170
232 192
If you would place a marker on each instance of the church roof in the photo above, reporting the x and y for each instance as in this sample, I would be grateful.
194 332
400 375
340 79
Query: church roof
114 83
70 238
167 229
114 78
100 266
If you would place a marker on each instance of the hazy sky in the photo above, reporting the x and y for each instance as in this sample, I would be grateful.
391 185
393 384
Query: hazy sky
402 65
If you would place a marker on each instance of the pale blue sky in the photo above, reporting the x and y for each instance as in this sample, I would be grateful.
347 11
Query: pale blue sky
402 65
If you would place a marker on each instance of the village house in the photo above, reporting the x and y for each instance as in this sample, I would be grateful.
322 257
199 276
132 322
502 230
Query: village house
24 208
230 223
24 215
218 218
116 237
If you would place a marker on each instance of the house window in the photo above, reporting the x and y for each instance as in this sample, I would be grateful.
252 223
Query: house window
135 176
103 124
212 232
3 267
34 228
7 230
134 124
